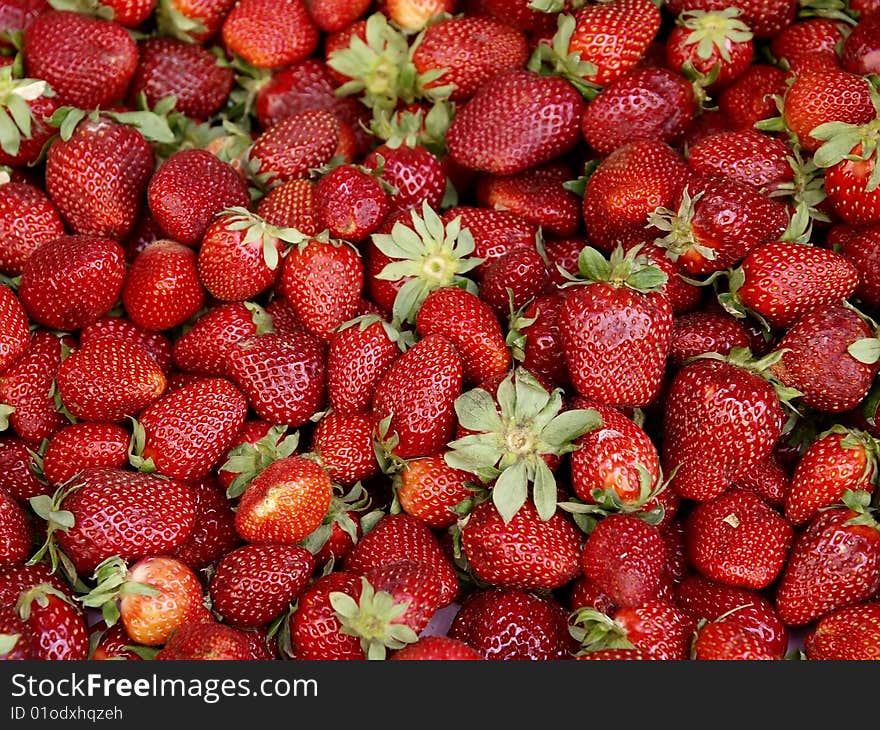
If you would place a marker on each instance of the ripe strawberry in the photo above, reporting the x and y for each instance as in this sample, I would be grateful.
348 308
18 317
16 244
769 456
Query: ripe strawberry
29 103
344 447
283 376
79 446
190 73
828 355
56 626
315 628
15 533
511 623
515 120
535 338
747 156
111 512
285 502
351 202
207 640
526 552
436 648
415 173
696 333
270 34
332 15
860 46
254 583
16 643
846 634
629 185
625 557
861 246
27 388
835 562
518 14
108 380
17 476
725 641
620 294
429 489
706 442
838 460
70 282
768 479
585 593
808 39
157 345
291 205
417 393
323 280
14 332
111 643
162 288
781 281
414 15
88 62
749 98
193 21
208 184
188 429
292 147
736 539
29 218
514 279
645 103
213 534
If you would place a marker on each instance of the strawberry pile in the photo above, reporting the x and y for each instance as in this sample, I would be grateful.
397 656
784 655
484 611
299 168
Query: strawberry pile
438 329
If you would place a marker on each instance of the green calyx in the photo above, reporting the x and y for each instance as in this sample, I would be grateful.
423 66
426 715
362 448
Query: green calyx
57 519
830 9
556 6
372 618
630 269
136 445
742 357
16 118
806 189
414 128
153 125
711 30
5 412
247 460
513 435
356 499
430 255
112 582
859 501
171 22
404 339
554 59
257 230
381 70
679 237
7 643
39 593
594 630
85 7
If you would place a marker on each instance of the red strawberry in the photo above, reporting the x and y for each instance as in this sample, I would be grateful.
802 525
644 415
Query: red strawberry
736 539
511 623
188 429
131 13
747 156
585 593
766 19
285 502
429 490
206 641
860 47
707 441
749 98
625 557
414 15
88 62
808 38
213 534
70 282
283 376
620 296
14 333
111 643
29 103
193 21
415 173
514 121
29 218
269 33
79 446
315 627
835 562
18 475
56 626
254 583
16 643
417 394
162 288
108 379
291 205
495 233
725 641
514 279
344 447
15 533
351 202
768 479
436 648
837 460
860 247
696 333
157 345
846 634
333 15
208 185
535 334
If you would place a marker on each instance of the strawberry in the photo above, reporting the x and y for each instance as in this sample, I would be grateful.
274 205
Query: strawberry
111 643
315 628
157 345
56 626
747 156
706 600
765 19
835 562
414 15
15 533
79 446
846 634
190 73
351 202
109 512
213 534
156 596
829 356
358 354
749 98
333 15
768 479
707 444
291 205
516 13
402 537
725 641
283 377
696 333
525 552
511 623
270 34
807 38
208 184
645 103
584 592
781 281
18 475
28 103
629 185
285 502
344 447
29 218
254 583
838 460
188 429
859 47
207 640
323 279
429 490
514 279
625 557
162 288
436 648
613 655
415 173
70 282
193 21
88 62
416 393
619 294
535 338
515 120
16 643
860 247
107 380
470 325
472 49
736 539
15 335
